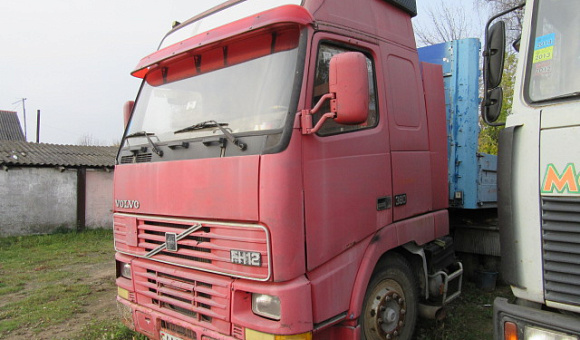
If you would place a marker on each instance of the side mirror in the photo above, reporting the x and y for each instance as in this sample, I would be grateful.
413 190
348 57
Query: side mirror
349 81
492 108
127 110
493 60
349 93
495 53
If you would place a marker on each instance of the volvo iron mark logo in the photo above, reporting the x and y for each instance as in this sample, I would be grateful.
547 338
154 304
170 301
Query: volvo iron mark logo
127 204
171 242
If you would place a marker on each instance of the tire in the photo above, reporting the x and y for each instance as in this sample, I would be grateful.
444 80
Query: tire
390 304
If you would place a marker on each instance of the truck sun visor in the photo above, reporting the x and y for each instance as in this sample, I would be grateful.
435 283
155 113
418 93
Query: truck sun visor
285 15
228 53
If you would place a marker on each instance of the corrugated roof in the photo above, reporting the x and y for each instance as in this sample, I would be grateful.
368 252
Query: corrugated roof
14 153
10 128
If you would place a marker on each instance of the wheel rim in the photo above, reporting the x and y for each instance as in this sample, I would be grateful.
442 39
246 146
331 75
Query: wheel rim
385 311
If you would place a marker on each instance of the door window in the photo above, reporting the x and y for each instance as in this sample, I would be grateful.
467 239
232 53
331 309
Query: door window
325 52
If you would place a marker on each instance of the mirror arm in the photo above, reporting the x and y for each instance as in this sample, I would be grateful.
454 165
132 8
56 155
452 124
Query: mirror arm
321 101
521 5
306 115
320 122
486 51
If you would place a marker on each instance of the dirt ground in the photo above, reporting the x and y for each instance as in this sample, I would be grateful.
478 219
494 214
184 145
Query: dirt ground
469 317
102 305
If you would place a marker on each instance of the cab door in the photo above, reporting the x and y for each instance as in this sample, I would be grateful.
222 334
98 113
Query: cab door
347 176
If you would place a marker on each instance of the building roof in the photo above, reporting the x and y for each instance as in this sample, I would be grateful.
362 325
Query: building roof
14 153
10 128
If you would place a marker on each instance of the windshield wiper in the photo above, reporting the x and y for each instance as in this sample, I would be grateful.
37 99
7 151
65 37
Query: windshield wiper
213 124
203 125
146 134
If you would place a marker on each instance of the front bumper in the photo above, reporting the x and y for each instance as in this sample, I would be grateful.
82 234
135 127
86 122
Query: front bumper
523 317
194 305
150 323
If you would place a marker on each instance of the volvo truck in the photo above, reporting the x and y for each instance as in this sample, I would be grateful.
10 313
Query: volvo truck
284 174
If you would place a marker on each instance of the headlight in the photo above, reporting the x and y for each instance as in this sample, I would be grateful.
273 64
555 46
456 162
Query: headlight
533 333
124 270
267 306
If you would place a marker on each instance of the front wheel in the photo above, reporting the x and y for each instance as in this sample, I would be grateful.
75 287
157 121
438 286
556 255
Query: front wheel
390 304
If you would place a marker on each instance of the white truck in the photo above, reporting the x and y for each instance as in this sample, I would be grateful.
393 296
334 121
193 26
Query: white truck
539 174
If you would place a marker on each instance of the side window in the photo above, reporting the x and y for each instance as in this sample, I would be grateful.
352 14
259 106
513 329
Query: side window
325 52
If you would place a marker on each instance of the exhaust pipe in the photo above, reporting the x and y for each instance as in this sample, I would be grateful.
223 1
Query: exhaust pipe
432 312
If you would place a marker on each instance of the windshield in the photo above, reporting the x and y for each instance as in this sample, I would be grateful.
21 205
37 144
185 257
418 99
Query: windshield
554 58
244 86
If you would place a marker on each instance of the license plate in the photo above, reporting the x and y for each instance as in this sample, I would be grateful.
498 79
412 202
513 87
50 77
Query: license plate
167 336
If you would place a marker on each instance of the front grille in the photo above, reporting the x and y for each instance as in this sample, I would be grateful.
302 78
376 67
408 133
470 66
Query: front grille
561 246
151 235
198 298
207 248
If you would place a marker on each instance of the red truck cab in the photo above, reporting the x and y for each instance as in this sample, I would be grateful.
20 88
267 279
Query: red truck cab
283 175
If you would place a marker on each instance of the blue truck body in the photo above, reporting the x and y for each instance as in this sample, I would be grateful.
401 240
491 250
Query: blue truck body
472 175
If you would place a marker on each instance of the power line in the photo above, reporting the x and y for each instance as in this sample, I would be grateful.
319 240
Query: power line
24 113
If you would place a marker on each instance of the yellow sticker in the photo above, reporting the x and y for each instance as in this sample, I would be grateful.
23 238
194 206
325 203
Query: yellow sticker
543 54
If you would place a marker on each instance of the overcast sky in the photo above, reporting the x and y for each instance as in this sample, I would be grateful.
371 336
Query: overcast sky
72 61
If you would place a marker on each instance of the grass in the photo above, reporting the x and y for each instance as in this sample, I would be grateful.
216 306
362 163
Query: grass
108 330
469 317
43 280
44 285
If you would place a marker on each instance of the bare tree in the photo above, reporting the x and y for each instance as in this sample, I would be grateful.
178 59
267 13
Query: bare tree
446 21
89 140
513 20
499 5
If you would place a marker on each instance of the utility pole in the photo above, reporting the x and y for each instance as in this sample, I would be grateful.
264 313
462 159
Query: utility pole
37 126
